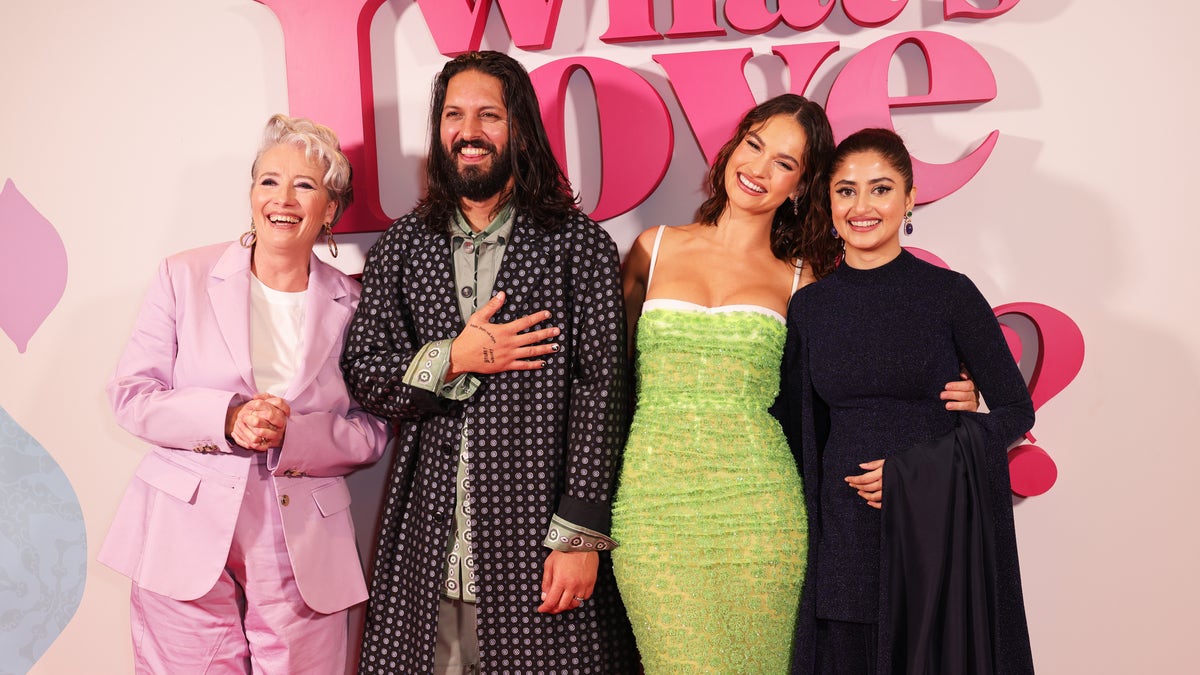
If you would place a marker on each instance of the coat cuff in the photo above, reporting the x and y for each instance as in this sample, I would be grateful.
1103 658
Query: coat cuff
566 536
428 368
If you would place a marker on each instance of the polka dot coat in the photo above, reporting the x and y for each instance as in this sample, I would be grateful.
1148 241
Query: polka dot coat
541 441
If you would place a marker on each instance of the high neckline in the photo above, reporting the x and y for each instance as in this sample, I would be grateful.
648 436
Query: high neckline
876 274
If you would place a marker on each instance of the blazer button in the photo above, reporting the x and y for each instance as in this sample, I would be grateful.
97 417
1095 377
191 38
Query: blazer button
284 500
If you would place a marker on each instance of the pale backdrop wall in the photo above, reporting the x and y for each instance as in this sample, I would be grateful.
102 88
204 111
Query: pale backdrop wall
129 125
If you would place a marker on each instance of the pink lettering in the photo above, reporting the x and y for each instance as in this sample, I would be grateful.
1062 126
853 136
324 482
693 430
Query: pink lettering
1031 471
1060 349
694 19
803 60
1059 353
872 13
695 75
962 9
752 16
957 74
630 21
457 25
332 85
636 135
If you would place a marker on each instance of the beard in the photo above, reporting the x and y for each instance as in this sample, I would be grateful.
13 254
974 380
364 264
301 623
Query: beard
477 183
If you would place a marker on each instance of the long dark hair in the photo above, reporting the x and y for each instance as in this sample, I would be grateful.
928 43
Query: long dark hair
541 191
799 230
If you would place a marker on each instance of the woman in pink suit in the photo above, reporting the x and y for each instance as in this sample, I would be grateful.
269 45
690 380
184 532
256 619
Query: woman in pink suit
236 528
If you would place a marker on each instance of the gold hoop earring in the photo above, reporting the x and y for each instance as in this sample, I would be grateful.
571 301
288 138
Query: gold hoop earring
333 247
249 237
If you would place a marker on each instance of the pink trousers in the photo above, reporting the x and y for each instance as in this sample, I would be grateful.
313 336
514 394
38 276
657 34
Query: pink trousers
252 621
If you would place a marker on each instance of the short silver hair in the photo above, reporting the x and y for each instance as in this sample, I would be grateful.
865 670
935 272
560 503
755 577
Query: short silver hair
320 144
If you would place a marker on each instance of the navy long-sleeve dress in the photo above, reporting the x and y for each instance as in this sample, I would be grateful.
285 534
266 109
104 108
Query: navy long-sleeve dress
868 353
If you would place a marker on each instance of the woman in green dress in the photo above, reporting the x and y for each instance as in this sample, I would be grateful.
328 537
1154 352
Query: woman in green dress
709 510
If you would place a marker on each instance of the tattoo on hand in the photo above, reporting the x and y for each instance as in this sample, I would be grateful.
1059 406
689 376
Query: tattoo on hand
489 356
485 332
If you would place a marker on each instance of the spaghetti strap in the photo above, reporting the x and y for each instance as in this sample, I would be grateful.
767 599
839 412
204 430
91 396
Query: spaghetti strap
795 277
654 255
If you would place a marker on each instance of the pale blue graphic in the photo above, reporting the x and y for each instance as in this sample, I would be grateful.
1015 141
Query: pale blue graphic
43 549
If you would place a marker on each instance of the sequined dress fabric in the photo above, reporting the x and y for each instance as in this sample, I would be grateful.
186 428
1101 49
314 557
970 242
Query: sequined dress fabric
709 510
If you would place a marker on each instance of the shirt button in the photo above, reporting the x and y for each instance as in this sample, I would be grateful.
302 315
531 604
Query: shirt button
467 291
469 246
284 500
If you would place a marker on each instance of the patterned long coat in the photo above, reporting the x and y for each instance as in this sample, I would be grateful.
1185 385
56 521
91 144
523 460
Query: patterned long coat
541 441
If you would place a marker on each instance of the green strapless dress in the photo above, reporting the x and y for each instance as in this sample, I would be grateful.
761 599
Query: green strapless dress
709 511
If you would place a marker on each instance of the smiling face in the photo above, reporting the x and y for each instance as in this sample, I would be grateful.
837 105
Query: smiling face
474 135
868 199
766 166
288 201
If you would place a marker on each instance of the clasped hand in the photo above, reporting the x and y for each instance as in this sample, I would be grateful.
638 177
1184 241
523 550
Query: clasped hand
485 347
258 424
869 485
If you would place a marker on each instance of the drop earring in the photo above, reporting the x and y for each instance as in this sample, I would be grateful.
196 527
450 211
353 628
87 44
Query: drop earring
333 247
796 199
834 233
249 236
908 228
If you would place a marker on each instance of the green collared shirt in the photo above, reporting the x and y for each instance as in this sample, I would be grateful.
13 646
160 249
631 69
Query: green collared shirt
477 257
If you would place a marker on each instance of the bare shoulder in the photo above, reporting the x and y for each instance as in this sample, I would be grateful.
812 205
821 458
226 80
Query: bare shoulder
689 230
637 262
677 236
644 244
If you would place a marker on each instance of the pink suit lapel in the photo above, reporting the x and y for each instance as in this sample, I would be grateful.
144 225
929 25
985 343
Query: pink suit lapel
229 295
325 318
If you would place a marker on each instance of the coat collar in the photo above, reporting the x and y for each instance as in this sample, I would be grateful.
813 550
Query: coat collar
522 271
326 314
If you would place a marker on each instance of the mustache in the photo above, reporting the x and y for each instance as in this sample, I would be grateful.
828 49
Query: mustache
472 143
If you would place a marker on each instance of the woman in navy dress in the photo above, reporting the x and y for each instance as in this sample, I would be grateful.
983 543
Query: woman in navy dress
891 585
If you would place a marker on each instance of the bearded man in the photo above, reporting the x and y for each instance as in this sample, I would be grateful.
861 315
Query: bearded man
492 332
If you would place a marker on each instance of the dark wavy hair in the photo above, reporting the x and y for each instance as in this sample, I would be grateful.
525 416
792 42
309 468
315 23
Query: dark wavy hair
800 230
541 191
886 142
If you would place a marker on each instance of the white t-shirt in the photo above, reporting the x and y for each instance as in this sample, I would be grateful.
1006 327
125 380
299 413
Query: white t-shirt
276 337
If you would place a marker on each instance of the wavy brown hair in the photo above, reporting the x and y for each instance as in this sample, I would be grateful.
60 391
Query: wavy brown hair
800 230
541 191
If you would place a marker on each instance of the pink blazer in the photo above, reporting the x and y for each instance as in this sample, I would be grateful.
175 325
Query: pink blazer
187 360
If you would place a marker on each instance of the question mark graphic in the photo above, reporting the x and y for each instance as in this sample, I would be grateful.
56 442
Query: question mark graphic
1060 353
1059 358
